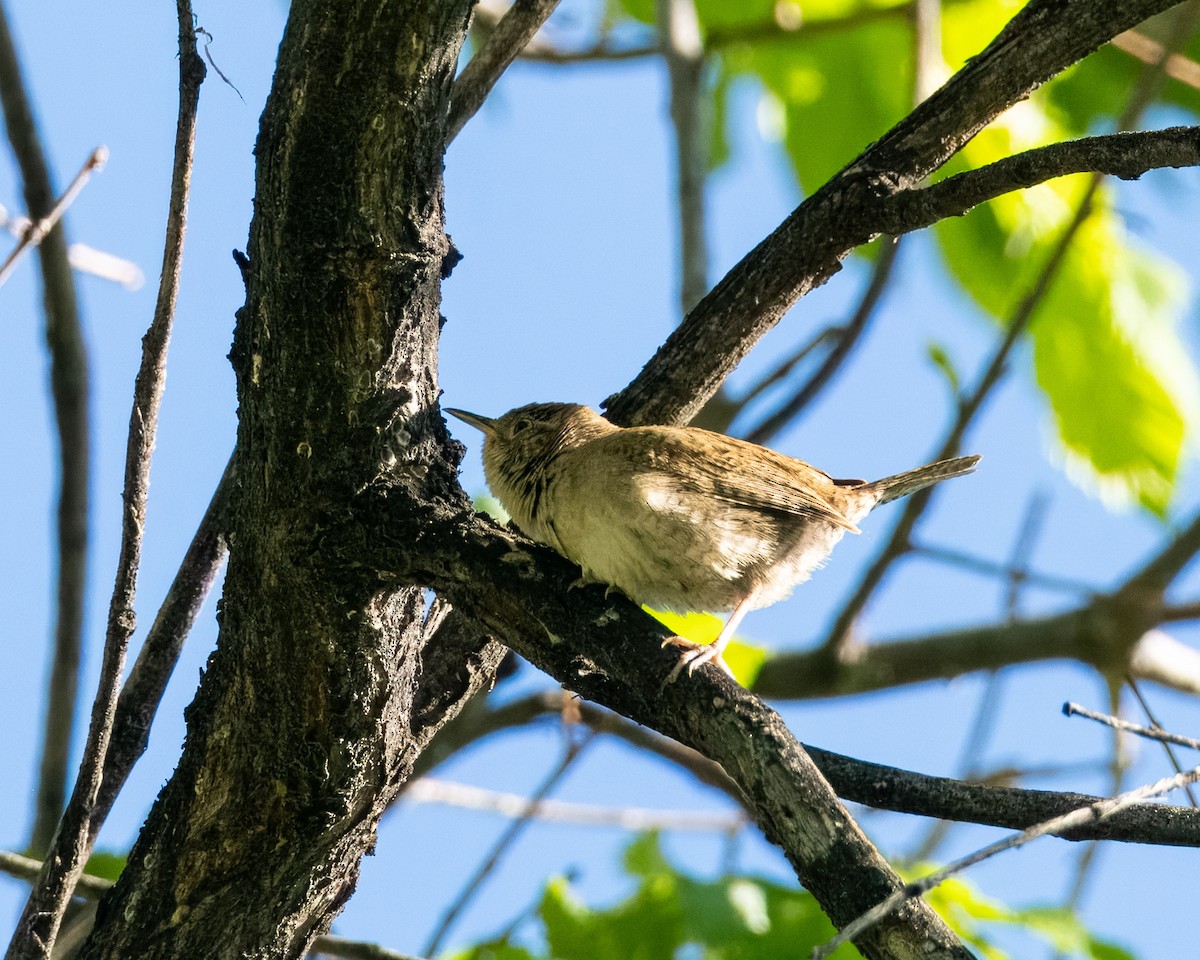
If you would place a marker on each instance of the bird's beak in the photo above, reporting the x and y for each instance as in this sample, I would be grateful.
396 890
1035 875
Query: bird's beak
486 424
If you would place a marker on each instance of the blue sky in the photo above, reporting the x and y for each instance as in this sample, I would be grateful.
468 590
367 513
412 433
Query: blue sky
559 196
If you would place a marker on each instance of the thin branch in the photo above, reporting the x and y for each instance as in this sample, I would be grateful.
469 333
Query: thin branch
143 690
602 52
683 50
1136 689
35 231
1101 635
355 950
877 785
83 258
515 29
1093 813
928 65
43 912
503 844
515 806
1162 569
992 568
69 387
899 541
779 29
1125 155
1176 66
850 335
1150 733
807 249
1181 611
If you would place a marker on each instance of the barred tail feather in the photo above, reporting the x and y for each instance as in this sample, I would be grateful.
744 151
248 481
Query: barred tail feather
902 484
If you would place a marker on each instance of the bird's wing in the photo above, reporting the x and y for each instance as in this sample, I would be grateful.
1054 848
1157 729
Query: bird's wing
697 462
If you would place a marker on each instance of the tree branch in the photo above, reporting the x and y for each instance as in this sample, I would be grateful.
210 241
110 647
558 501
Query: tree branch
872 784
1124 155
43 912
69 387
610 652
143 690
808 247
515 29
683 50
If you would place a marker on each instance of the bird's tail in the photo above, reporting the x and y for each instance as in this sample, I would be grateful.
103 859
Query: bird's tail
902 484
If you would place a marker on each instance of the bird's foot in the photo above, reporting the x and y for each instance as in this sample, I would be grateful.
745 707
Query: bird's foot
693 655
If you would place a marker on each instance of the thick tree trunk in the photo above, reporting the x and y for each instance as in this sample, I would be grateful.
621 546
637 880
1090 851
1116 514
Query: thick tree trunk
316 701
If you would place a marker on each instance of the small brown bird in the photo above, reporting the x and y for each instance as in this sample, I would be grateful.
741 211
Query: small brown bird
677 518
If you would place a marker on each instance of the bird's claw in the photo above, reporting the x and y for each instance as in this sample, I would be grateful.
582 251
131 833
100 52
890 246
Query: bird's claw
694 654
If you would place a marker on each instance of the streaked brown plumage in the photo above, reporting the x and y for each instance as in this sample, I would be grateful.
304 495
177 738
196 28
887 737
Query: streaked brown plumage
677 518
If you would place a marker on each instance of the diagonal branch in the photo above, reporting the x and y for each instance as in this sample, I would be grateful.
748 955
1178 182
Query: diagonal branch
69 386
610 652
807 248
515 29
143 690
860 781
1123 155
43 912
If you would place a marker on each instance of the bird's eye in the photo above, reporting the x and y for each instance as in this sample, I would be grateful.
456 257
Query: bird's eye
524 423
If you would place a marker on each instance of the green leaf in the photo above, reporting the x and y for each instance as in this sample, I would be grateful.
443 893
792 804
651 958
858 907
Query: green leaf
486 503
499 949
105 864
940 358
744 659
644 927
815 80
1121 388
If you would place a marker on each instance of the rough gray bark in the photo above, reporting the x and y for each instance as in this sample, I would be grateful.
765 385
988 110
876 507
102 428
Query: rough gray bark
327 683
324 687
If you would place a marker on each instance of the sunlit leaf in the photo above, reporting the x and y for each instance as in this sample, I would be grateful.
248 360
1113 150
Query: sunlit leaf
105 864
744 659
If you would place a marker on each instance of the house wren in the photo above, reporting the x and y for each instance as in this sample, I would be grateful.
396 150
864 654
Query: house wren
677 518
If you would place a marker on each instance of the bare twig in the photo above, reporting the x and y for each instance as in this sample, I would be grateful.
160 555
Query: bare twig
991 568
1181 611
872 784
143 690
515 29
1165 566
1136 689
505 841
355 950
514 805
683 50
35 232
1099 634
1126 155
1150 733
43 912
928 64
1083 816
900 540
1176 66
83 258
69 387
